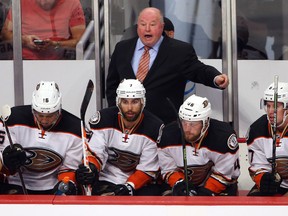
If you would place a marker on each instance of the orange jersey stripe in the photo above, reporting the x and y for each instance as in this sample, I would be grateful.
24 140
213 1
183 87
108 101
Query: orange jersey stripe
174 177
71 176
214 185
139 179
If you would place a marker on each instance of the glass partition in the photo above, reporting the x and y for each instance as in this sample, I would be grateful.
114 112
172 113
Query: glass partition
196 22
262 29
50 29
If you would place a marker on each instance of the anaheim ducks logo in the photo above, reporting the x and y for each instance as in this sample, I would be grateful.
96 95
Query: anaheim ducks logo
198 174
282 167
42 160
126 161
205 103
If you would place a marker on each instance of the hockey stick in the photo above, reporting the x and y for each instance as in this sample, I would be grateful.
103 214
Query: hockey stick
83 109
5 113
274 127
183 146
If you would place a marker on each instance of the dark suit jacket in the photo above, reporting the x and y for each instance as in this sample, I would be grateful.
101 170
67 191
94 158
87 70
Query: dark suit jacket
175 63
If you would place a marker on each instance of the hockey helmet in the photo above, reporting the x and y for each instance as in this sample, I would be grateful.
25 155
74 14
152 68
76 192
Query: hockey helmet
195 108
282 94
46 98
131 88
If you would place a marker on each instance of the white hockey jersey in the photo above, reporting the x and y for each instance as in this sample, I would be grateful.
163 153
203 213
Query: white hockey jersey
217 156
259 141
120 152
57 150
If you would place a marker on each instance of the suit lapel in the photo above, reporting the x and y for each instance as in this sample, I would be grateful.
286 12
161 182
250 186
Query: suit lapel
129 53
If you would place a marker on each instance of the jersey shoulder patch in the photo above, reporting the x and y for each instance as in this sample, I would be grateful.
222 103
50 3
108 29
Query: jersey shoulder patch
232 142
95 118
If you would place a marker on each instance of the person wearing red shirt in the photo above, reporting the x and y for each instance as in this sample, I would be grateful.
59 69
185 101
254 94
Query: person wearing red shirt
50 28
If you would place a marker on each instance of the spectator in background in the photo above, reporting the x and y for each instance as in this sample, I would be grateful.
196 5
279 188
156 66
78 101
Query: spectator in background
6 50
172 63
3 11
51 29
168 27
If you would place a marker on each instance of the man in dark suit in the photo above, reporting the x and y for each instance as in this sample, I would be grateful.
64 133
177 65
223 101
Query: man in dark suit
172 63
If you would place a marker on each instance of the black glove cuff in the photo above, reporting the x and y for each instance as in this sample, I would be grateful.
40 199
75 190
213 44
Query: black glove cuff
202 191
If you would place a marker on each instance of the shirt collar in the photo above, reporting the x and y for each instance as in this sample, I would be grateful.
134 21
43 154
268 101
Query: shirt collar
140 45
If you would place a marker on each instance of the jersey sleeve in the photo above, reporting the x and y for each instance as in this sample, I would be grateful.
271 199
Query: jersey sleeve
97 147
72 159
256 153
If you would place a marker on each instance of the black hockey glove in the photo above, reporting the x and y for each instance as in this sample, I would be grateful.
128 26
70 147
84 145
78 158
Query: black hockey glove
202 191
124 190
69 189
86 176
270 183
179 189
14 157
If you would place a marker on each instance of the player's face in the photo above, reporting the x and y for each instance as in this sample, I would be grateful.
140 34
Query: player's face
269 108
192 130
46 120
130 108
150 26
46 4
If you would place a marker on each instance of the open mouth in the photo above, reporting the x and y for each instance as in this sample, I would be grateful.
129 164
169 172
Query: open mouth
148 36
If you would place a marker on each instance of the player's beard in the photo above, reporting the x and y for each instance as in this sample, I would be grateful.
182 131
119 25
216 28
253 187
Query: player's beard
191 137
131 116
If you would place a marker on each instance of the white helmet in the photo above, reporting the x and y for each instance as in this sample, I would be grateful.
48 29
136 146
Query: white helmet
131 88
195 108
282 94
46 98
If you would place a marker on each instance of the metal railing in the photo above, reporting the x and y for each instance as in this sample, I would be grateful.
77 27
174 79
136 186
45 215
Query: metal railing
81 52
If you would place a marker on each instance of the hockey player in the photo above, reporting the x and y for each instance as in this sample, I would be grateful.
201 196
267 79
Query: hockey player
259 141
124 143
47 144
211 153
2 138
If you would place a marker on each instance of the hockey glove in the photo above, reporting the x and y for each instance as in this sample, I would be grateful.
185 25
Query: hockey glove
270 183
124 190
14 157
68 189
202 191
86 176
179 189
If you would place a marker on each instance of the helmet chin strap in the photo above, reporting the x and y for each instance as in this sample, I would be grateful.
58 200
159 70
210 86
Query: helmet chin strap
205 127
52 125
284 119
